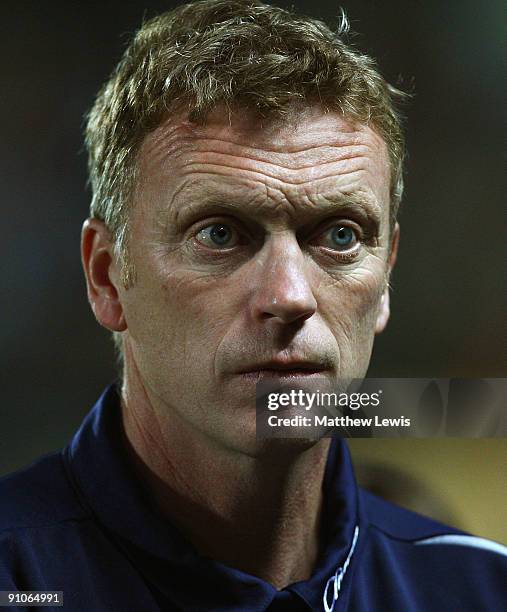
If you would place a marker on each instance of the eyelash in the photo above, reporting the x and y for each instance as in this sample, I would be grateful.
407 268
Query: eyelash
219 220
347 254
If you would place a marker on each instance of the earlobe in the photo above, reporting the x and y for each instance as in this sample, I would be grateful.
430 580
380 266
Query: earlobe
97 255
384 308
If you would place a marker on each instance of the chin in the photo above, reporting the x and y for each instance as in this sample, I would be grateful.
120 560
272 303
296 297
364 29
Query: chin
275 447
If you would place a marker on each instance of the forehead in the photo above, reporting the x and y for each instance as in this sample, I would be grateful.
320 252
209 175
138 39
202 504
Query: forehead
316 152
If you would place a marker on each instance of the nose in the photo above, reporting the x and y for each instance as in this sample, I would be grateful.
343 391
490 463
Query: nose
283 291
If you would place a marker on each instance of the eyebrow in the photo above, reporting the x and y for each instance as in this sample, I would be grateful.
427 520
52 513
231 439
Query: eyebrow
351 201
319 206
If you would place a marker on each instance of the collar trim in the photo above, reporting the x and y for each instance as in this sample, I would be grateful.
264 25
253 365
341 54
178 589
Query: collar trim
338 576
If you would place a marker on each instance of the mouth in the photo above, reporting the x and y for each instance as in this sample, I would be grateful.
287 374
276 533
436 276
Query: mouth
284 370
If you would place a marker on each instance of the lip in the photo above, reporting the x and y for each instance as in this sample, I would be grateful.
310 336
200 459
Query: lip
283 370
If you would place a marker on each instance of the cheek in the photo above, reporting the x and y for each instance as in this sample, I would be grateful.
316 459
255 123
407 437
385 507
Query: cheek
350 305
196 312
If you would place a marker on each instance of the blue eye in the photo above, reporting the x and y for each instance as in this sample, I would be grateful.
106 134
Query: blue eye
340 238
218 235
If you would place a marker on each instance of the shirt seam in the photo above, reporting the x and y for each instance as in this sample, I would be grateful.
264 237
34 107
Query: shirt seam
411 540
46 525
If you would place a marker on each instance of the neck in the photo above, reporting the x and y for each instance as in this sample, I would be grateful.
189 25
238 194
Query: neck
258 514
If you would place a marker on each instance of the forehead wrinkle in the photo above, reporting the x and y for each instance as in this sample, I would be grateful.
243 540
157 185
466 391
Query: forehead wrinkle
154 158
219 195
353 166
175 138
274 167
165 141
251 200
298 155
289 171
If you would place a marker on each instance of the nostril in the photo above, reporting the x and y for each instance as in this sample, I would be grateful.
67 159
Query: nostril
290 311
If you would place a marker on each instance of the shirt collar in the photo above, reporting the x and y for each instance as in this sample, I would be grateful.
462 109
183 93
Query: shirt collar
97 465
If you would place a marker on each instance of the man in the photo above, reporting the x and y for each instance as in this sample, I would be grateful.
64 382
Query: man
246 173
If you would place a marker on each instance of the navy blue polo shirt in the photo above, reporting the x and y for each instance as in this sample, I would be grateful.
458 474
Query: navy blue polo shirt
79 522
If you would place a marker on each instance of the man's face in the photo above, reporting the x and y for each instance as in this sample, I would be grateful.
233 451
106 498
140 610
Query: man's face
260 251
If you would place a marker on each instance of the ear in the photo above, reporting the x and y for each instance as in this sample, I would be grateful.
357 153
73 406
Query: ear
384 311
100 268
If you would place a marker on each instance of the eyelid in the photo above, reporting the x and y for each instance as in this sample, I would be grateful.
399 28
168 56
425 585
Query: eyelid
329 224
201 216
242 236
198 226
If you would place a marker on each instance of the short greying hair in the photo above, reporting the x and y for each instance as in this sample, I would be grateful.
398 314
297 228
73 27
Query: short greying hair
242 54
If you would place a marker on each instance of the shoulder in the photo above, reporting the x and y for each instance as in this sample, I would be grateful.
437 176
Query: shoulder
39 512
424 541
421 564
397 522
37 496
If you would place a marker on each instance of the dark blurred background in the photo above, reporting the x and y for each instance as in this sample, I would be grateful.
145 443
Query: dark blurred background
449 302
